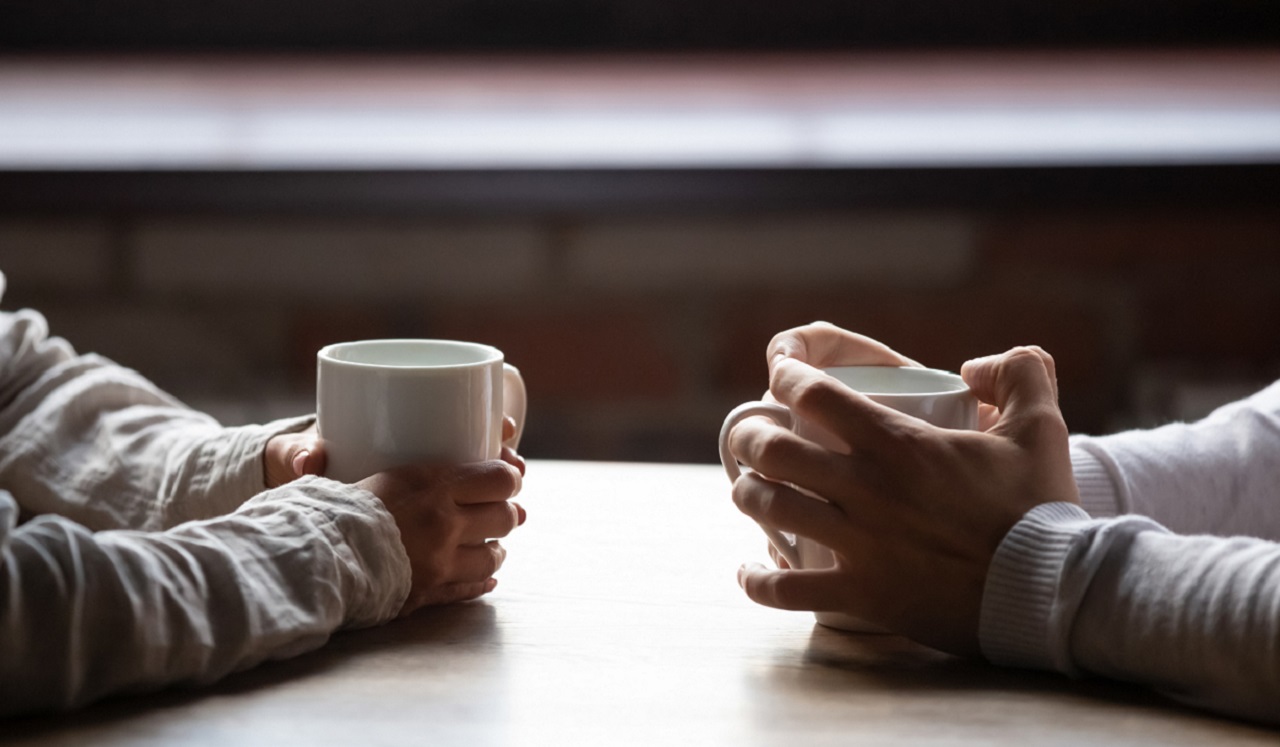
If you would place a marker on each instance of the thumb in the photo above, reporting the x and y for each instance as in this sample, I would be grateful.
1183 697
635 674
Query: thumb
289 456
1023 385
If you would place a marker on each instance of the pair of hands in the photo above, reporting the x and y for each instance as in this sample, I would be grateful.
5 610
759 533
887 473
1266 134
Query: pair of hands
447 515
915 513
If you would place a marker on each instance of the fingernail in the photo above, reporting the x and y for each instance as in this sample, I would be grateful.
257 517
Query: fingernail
300 462
490 585
742 569
521 514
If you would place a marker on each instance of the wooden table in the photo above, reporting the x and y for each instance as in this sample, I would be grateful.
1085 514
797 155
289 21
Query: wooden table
617 621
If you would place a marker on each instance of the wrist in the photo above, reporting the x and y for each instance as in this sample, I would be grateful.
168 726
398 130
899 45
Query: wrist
1022 608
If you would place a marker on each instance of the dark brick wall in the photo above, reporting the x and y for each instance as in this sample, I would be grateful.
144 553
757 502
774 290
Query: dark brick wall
636 336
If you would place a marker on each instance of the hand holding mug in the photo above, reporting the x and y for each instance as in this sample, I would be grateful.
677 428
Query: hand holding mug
288 456
913 512
450 517
423 425
939 398
824 345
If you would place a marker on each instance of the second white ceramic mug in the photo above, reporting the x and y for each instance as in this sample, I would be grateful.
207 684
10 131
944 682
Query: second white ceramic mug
937 397
385 403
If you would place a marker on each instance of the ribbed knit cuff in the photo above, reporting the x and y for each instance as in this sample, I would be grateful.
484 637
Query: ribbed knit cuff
1098 496
1020 624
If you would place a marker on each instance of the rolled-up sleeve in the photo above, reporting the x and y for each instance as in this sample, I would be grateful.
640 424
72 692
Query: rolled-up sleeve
84 438
138 547
85 614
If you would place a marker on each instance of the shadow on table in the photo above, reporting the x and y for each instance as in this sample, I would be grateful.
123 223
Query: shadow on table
836 662
469 624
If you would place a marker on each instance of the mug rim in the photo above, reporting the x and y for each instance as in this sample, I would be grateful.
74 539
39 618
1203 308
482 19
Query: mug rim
958 384
326 354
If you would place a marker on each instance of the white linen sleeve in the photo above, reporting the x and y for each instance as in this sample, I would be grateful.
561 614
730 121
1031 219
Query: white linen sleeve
84 614
1196 617
84 438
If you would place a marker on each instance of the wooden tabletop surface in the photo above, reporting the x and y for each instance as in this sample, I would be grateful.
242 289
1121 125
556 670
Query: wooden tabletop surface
617 621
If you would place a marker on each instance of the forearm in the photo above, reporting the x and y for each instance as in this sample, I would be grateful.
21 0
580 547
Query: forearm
93 614
84 438
1197 617
1215 476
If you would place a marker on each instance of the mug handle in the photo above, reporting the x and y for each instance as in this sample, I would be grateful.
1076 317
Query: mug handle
514 400
782 416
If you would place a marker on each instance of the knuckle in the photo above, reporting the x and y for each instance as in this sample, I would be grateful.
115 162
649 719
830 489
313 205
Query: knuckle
509 522
775 450
1044 354
756 497
767 504
497 554
1048 422
499 480
746 494
779 591
781 340
1025 357
911 439
439 523
1028 364
817 394
427 576
513 480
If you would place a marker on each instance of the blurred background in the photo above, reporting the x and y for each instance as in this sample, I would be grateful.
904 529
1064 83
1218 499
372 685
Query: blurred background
630 199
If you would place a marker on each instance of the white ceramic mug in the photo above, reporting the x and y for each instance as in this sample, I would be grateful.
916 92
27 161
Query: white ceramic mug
384 403
938 397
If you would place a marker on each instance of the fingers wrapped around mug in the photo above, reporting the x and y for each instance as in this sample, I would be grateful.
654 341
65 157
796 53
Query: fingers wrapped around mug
447 516
850 416
509 455
822 344
785 457
486 521
916 510
447 594
1022 384
792 589
788 510
476 562
484 482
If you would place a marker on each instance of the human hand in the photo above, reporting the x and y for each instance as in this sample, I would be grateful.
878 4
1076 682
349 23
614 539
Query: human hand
915 512
824 345
450 517
288 456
